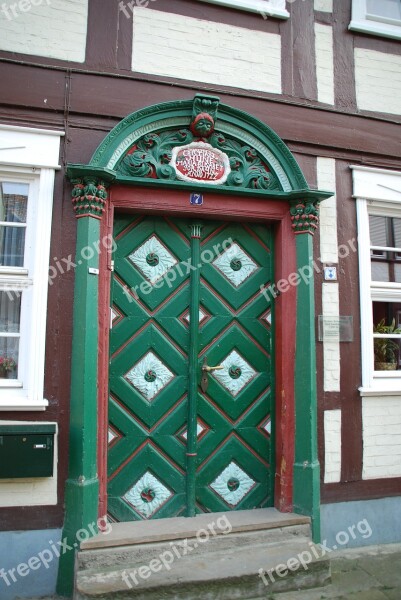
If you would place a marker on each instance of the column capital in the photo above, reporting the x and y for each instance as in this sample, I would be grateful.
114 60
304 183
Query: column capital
304 216
89 194
89 197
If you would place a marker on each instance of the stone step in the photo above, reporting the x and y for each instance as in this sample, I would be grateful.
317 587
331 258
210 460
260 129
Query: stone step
139 554
233 573
141 532
215 556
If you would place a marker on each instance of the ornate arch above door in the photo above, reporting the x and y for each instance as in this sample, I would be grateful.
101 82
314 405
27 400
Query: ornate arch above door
146 148
202 146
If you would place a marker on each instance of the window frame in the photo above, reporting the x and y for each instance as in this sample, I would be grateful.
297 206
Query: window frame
362 22
271 8
30 156
377 192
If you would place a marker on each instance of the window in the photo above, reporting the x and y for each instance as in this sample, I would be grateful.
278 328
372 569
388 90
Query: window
377 17
13 227
26 198
269 8
378 194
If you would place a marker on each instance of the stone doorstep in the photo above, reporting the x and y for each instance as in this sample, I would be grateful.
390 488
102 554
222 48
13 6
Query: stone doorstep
214 576
142 554
142 532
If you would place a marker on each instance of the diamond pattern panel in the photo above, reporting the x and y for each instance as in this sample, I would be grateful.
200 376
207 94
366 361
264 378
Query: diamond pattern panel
147 495
235 468
148 370
235 265
153 259
236 373
148 409
149 376
232 484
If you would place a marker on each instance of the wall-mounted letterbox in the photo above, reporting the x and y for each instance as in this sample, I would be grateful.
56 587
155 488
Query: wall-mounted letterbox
26 450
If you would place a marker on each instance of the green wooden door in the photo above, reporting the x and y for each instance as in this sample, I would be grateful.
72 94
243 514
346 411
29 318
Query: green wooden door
149 343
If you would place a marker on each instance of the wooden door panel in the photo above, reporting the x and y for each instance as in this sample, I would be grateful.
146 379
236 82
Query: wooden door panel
148 407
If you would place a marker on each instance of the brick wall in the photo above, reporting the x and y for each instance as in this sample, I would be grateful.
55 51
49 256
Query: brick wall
332 446
187 48
381 437
324 63
378 81
52 28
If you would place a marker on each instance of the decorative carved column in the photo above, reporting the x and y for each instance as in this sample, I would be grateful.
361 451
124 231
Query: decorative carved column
305 219
89 197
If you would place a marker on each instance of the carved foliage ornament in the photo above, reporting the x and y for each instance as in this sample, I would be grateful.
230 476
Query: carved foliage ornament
89 197
305 216
152 157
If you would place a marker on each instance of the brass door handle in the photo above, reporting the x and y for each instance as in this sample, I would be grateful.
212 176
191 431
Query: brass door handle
206 369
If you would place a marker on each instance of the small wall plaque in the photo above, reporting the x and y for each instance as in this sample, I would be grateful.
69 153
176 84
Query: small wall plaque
201 163
335 329
330 273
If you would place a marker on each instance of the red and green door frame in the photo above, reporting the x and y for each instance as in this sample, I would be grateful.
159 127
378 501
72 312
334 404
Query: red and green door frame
267 189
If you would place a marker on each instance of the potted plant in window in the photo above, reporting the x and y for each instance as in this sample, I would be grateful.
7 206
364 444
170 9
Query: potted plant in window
7 364
385 349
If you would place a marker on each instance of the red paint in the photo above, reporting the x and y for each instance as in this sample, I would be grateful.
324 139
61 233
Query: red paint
106 228
286 304
217 206
200 163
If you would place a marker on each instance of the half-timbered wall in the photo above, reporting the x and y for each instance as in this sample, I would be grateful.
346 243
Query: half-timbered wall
333 95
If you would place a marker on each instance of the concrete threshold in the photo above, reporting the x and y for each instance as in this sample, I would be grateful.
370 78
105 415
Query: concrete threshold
157 530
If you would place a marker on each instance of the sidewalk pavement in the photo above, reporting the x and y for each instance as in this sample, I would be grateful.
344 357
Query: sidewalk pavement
369 573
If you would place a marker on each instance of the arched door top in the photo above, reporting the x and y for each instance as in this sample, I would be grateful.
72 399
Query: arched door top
198 144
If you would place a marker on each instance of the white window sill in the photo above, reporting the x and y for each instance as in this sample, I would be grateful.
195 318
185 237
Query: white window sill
23 404
256 6
380 391
376 28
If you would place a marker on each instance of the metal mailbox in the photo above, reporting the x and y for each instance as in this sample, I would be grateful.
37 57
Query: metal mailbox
26 450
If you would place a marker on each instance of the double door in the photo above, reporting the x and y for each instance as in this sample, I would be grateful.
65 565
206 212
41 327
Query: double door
185 436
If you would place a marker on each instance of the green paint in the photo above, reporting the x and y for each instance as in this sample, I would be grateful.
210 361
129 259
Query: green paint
240 129
152 429
193 371
151 155
81 495
237 324
152 321
306 467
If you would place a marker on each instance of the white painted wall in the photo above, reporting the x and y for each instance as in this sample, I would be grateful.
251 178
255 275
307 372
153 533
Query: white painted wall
381 417
41 491
326 180
331 348
186 48
324 5
51 28
324 63
378 81
332 446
